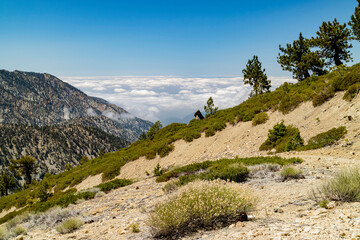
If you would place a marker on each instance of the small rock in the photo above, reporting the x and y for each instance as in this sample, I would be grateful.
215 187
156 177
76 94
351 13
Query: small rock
278 210
240 224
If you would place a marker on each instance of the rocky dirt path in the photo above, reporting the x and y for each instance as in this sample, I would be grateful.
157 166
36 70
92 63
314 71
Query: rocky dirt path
286 210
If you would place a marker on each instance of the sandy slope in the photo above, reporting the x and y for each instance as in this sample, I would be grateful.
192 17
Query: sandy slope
299 217
243 139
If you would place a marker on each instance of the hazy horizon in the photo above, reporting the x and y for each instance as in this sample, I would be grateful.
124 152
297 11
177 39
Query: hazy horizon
167 97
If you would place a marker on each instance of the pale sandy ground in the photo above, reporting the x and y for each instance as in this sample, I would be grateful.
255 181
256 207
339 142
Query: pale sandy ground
299 217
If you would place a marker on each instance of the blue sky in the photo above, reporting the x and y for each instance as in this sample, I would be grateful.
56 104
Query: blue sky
152 37
172 41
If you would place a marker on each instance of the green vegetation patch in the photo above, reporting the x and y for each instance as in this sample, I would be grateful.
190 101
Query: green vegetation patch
325 139
201 205
283 138
226 169
287 138
117 183
260 118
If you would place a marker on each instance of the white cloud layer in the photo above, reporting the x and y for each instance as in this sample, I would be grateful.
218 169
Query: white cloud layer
166 98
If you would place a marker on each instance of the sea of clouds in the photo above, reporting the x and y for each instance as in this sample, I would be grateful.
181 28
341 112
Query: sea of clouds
167 98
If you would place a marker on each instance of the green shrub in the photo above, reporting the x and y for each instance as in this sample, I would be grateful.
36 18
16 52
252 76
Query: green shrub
191 135
70 225
86 195
150 155
283 138
158 171
232 173
111 172
325 139
185 170
43 193
288 173
209 132
260 118
323 96
201 205
352 91
294 142
165 150
218 126
345 186
117 183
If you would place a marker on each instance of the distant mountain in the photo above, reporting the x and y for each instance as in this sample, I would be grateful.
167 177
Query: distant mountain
42 99
54 146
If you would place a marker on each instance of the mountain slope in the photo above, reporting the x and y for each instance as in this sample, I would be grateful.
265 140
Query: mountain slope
285 208
226 134
54 146
42 99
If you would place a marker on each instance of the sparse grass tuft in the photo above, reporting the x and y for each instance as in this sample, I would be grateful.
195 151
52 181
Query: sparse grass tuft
324 204
264 170
19 230
3 233
288 173
345 186
171 186
99 194
135 228
201 205
260 118
70 225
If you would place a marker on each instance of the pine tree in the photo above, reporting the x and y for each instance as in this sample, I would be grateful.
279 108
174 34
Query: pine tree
156 127
256 77
6 183
143 136
355 22
300 60
210 108
333 39
25 166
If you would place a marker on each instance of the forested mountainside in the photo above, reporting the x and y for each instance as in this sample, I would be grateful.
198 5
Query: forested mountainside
42 99
126 128
55 146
